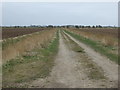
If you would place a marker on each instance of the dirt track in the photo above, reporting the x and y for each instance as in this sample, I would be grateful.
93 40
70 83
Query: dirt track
68 71
110 68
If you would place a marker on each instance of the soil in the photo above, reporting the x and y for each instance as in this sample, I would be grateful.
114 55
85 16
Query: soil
68 71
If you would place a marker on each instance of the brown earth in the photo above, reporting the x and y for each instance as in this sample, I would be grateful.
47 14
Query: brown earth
69 71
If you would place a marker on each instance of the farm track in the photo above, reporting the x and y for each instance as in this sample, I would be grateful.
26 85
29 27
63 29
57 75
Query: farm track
110 68
68 71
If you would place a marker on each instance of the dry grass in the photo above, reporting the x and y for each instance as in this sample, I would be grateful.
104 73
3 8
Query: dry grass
105 36
34 64
40 39
110 51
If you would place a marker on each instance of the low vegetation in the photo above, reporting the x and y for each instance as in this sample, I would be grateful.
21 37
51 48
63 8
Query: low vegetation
18 46
104 50
106 36
10 32
93 71
70 43
33 64
28 52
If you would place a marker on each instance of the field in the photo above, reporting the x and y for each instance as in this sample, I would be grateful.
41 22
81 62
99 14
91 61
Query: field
102 40
24 43
107 36
59 57
9 32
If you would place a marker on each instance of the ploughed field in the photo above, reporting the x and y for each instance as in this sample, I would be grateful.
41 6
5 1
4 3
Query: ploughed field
14 32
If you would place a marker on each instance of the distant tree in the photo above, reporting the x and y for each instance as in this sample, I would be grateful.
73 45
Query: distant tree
96 26
93 26
16 26
100 26
76 26
24 26
82 26
88 26
63 26
50 26
67 26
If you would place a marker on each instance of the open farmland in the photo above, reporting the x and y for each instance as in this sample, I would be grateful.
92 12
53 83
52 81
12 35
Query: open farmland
9 32
60 45
33 52
107 36
58 57
24 43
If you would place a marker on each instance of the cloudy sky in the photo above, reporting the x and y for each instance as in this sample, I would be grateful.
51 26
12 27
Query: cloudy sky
60 13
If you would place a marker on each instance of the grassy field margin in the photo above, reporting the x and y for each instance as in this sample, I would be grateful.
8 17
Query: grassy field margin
97 47
34 64
17 46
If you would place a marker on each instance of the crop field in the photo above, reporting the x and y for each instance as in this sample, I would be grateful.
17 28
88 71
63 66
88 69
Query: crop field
59 57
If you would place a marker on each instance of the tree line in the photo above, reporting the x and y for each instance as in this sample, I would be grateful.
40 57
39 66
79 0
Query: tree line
63 26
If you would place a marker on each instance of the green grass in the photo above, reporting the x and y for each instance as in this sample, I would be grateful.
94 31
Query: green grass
96 46
91 70
74 46
94 72
28 67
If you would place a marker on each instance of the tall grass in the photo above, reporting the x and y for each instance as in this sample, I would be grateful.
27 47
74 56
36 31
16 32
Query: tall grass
30 66
18 46
107 37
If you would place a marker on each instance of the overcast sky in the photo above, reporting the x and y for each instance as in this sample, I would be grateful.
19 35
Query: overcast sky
60 13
